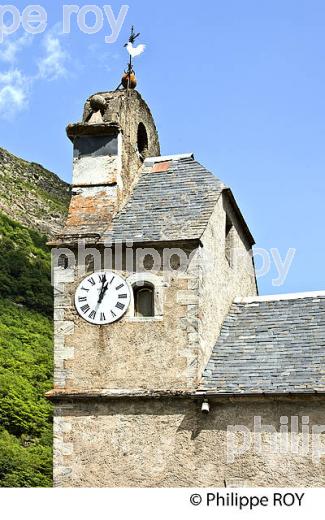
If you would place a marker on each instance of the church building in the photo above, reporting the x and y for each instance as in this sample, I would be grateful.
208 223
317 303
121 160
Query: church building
170 369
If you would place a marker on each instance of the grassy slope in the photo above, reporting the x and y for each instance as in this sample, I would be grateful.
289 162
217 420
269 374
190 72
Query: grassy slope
25 357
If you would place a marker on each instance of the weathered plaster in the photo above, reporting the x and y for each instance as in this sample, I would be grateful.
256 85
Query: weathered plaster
170 443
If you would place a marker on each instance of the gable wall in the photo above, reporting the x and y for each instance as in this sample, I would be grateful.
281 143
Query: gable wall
220 283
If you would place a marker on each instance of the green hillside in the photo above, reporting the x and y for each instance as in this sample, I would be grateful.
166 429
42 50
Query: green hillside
26 338
25 357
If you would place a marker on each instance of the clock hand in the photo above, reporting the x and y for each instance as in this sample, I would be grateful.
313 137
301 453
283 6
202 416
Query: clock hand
104 280
102 288
102 293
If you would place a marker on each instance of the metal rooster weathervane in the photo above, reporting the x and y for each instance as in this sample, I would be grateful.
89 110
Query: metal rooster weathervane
129 80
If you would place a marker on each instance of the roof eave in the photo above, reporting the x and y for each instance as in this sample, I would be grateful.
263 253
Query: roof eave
57 395
240 216
96 241
216 393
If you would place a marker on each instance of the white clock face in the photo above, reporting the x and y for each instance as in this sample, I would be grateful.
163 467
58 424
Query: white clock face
102 297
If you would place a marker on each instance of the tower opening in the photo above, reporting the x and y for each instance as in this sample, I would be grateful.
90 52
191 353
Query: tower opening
229 240
142 140
144 301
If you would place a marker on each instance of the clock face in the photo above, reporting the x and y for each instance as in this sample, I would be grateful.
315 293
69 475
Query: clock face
102 297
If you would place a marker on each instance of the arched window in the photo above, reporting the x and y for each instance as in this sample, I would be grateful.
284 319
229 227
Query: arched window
63 261
90 264
144 300
142 140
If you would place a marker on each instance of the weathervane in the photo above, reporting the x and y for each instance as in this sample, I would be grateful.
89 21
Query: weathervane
129 79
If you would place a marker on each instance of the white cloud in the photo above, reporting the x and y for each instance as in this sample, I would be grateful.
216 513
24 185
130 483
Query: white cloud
53 65
15 85
14 93
10 48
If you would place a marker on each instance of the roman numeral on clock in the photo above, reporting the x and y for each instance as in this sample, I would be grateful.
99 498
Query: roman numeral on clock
123 296
102 316
92 315
113 314
92 281
120 306
120 286
85 308
102 277
82 299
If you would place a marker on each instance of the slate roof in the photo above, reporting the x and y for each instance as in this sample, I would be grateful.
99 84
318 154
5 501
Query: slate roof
270 346
173 200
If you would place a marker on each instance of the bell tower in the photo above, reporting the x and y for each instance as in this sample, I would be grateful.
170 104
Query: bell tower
135 328
110 144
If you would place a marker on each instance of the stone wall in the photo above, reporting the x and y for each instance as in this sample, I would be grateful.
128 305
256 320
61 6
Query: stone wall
151 353
170 443
220 281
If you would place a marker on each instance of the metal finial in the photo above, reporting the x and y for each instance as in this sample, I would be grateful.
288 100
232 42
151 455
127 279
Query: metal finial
129 79
133 36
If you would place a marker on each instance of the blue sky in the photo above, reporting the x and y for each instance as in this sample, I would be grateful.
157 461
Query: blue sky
238 82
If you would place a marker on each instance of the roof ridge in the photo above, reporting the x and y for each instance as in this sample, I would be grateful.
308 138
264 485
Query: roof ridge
280 297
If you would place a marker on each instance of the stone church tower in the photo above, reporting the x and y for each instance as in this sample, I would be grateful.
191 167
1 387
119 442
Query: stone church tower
154 268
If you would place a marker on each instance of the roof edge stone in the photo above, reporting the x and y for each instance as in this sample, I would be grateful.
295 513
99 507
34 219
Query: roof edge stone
162 158
280 297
